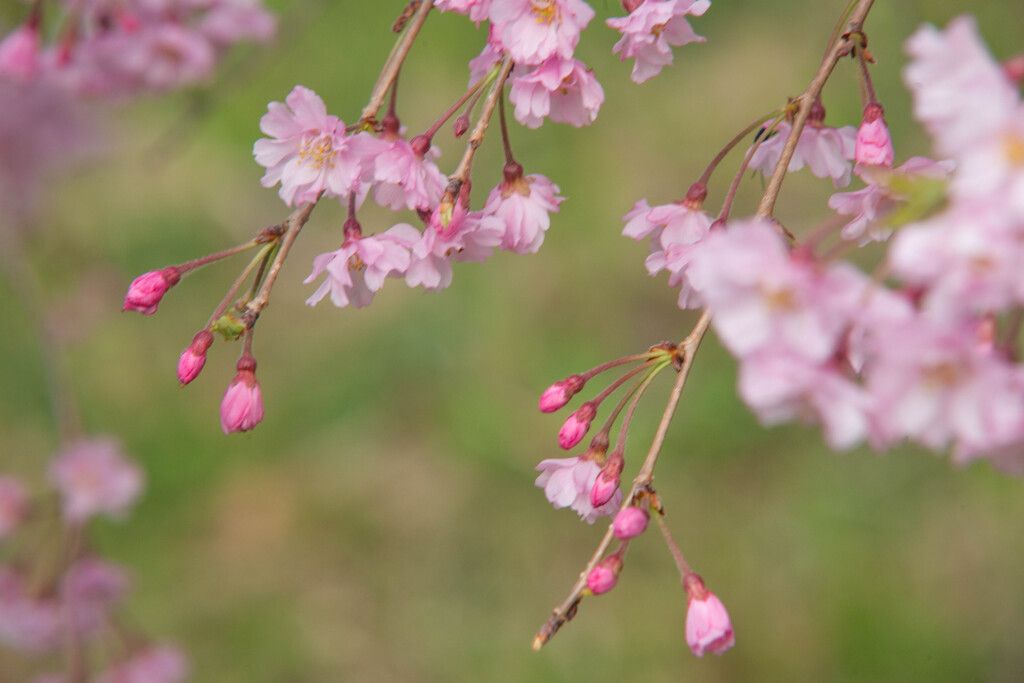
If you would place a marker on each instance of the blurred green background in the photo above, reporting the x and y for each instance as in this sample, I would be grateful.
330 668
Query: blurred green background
382 523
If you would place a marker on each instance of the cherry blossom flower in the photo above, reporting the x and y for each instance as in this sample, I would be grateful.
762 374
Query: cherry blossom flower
559 393
404 178
533 31
14 502
308 151
241 409
357 270
477 10
630 523
651 30
467 236
567 482
524 205
564 90
826 151
708 628
193 358
94 477
146 291
874 144
576 427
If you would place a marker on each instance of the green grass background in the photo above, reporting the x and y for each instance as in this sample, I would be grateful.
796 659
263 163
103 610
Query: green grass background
382 523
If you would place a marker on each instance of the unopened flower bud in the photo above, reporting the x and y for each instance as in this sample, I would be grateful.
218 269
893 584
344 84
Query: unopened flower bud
708 628
460 126
242 406
146 291
630 523
874 144
559 393
607 482
193 358
603 577
575 428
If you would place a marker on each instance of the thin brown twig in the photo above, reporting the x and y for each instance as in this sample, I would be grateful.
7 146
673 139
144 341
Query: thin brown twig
294 224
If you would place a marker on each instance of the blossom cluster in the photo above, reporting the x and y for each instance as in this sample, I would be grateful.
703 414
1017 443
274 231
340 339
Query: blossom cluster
930 354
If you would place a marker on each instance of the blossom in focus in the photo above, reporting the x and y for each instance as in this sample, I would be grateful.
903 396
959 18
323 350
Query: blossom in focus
146 291
559 393
357 270
523 204
567 482
94 477
476 9
826 151
533 31
630 523
308 151
404 173
564 90
651 30
14 504
193 358
605 574
708 628
576 426
241 409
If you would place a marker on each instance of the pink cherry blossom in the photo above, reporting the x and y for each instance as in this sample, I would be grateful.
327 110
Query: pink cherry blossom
886 190
146 291
874 144
466 236
630 523
559 393
826 151
605 574
241 409
651 30
161 663
708 628
193 358
308 151
567 482
357 270
524 205
94 477
27 622
960 92
405 179
476 9
564 90
533 31
19 53
14 504
576 427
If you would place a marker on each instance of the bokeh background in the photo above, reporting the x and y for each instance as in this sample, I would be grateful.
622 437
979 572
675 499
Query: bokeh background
382 523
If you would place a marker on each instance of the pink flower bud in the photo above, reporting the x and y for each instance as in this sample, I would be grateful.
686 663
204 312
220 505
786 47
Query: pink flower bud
241 409
146 291
874 144
559 393
460 126
13 504
607 482
575 428
19 53
708 628
603 577
192 359
630 523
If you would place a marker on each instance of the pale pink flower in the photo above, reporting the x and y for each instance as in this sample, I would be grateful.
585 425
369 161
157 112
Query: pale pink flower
94 477
19 53
465 236
357 270
14 504
764 297
476 9
651 30
630 523
886 190
605 574
567 482
308 151
241 409
193 358
524 205
874 144
91 588
27 623
559 393
405 179
146 291
826 151
961 94
535 30
708 628
564 90
488 58
162 663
